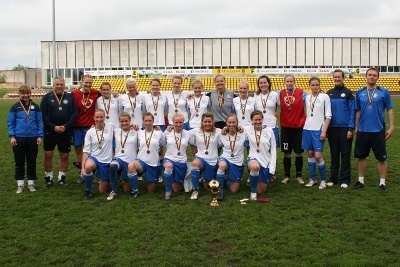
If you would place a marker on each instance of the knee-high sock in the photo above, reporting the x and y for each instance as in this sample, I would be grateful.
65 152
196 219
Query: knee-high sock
168 180
322 169
88 178
195 173
312 168
113 176
221 180
299 164
287 162
254 181
133 180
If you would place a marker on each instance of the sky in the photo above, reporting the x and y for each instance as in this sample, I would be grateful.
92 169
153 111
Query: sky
25 23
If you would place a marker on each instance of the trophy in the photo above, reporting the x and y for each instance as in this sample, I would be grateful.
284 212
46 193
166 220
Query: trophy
214 188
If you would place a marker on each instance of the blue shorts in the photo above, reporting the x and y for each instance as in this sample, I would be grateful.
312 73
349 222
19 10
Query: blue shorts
246 143
235 172
78 136
179 171
102 169
151 172
209 171
311 141
264 175
123 171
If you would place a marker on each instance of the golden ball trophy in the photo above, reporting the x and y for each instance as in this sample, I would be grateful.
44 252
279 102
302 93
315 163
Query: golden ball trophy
214 188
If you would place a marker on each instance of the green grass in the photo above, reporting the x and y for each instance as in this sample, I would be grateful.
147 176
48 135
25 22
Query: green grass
299 227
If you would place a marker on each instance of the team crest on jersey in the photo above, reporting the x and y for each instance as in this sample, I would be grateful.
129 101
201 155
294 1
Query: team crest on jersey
87 103
65 101
342 95
289 100
32 107
132 133
265 135
112 101
106 131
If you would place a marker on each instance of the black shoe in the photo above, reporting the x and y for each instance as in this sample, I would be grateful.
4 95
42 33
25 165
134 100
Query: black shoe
77 165
88 194
62 181
220 196
134 194
48 182
358 185
383 188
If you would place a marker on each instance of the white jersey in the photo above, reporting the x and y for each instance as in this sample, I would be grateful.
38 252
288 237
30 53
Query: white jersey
111 107
197 107
315 119
172 141
129 139
156 105
134 106
149 146
207 144
102 150
181 105
243 109
268 105
266 154
229 142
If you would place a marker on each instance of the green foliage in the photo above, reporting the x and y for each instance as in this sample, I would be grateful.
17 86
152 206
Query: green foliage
20 67
299 227
2 79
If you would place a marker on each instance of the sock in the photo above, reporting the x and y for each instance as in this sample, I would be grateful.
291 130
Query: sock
228 184
113 176
299 165
20 182
133 180
287 162
60 174
88 178
382 181
221 180
254 181
195 173
168 180
30 182
312 168
361 179
322 169
49 174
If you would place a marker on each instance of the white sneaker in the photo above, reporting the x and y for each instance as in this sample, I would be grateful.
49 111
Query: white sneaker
167 196
31 188
300 180
140 178
112 195
160 180
344 186
194 195
20 189
322 185
253 196
285 180
311 183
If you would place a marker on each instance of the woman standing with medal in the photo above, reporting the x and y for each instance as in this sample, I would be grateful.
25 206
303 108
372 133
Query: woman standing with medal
261 161
25 129
156 103
232 157
197 104
206 139
148 156
109 104
175 167
132 102
125 152
177 101
244 104
318 110
97 153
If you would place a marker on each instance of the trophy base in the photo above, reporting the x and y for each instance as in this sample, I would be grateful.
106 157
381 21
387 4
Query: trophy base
214 203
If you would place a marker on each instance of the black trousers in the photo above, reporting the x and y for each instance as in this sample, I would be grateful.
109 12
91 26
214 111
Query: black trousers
26 150
340 148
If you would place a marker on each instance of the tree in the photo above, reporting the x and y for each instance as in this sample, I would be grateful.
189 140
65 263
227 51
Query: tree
20 67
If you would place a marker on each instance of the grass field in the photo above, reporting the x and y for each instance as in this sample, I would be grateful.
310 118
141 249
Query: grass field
299 227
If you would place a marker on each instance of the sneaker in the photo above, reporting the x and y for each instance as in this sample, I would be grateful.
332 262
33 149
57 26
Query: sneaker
311 183
20 189
220 196
248 182
77 165
330 184
134 194
253 196
358 185
80 181
194 195
160 179
285 180
382 187
300 180
167 196
31 188
140 178
344 185
322 185
88 194
48 183
112 195
61 181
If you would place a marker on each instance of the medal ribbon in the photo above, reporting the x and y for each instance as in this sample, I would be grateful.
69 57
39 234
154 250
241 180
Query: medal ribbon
289 98
107 108
206 140
85 100
264 101
243 108
178 144
221 98
58 100
155 104
29 108
234 142
176 100
258 138
126 137
148 140
197 106
100 140
312 104
133 106
371 98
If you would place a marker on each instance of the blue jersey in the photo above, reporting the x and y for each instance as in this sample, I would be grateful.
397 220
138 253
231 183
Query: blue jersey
343 107
25 124
372 113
